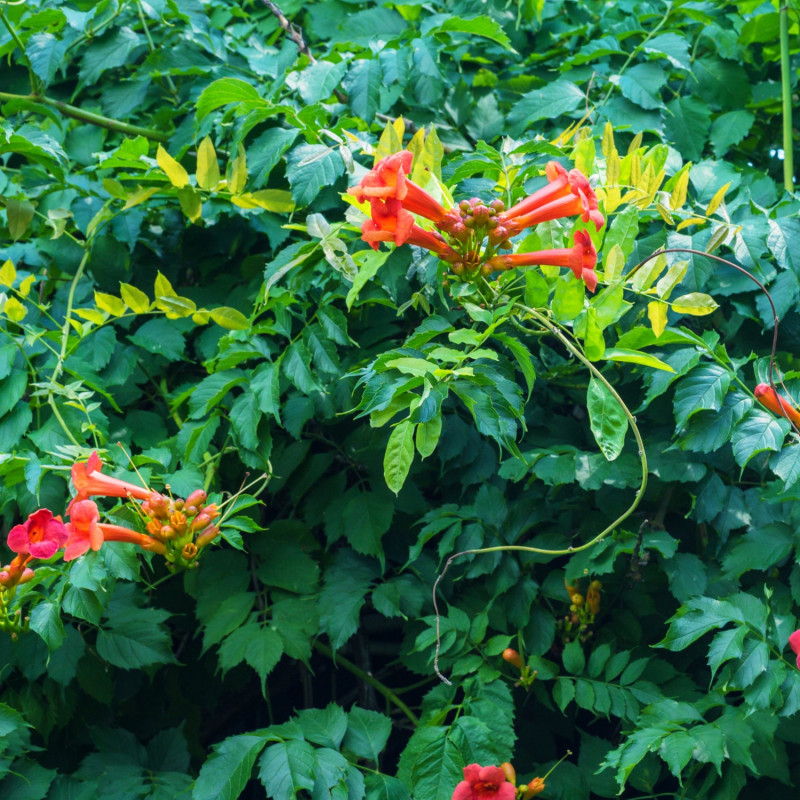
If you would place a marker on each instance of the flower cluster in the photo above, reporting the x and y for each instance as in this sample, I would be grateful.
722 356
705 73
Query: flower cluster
468 236
582 611
175 528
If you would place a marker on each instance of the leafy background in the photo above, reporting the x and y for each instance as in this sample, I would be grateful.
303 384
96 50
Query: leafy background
225 315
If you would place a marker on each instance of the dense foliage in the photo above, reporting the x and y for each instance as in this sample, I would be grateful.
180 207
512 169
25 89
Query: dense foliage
182 273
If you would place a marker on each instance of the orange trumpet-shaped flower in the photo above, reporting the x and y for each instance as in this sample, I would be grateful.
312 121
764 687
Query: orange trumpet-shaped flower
87 532
558 186
581 259
769 398
89 481
556 203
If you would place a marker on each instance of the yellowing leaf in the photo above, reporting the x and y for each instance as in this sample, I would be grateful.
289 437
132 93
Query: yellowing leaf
645 276
671 279
635 144
657 314
136 300
612 199
695 304
276 200
14 310
177 175
613 263
25 286
390 142
191 203
207 166
176 307
163 287
139 196
717 199
612 168
718 238
584 156
433 153
636 169
608 146
679 191
238 177
8 274
665 215
691 221
229 318
90 314
107 302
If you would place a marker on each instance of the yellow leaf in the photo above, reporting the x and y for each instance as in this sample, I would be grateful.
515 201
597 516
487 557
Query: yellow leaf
229 318
613 263
163 287
207 166
400 126
665 215
389 142
584 156
645 276
201 317
433 153
631 197
238 178
717 199
175 307
14 310
276 200
136 300
657 314
25 286
90 314
608 140
139 196
691 221
696 304
636 170
635 143
612 199
107 302
415 146
177 175
8 274
191 203
679 191
612 168
671 279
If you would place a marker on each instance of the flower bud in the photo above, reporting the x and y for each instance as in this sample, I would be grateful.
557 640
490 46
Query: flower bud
196 498
536 786
509 772
189 551
167 532
513 657
207 536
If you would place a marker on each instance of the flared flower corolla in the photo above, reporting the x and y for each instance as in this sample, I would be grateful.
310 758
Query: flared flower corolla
581 259
794 643
87 532
558 186
484 783
387 180
574 197
40 536
84 529
89 481
769 398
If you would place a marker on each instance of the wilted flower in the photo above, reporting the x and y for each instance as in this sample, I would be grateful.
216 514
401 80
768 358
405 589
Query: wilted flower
40 536
484 783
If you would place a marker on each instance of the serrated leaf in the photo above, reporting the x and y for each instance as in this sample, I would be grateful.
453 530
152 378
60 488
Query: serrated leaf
225 774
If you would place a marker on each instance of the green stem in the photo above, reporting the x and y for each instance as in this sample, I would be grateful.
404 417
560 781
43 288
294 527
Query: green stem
786 95
51 401
87 116
18 42
367 678
635 50
68 316
152 46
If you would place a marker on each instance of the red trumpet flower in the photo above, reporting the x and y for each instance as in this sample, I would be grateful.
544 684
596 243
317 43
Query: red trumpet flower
768 397
581 259
89 481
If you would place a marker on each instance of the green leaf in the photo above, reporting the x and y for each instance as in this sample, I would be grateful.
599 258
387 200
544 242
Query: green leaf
724 646
46 621
226 91
45 53
427 436
568 299
399 456
757 432
367 517
367 733
729 129
431 764
574 658
244 416
703 388
319 81
312 167
623 231
369 261
363 85
263 651
225 774
229 318
287 767
384 787
687 126
606 418
135 638
297 368
549 102
641 84
482 25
